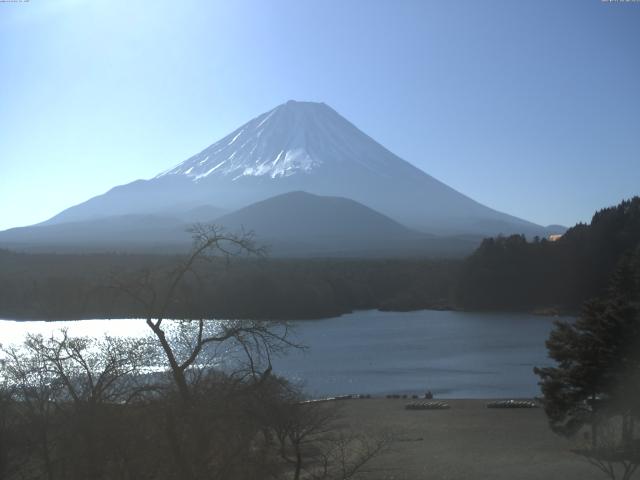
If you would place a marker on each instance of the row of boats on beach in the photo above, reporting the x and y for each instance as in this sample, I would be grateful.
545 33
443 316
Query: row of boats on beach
428 403
436 405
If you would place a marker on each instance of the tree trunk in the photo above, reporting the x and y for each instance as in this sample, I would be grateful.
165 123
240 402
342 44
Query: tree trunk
627 430
594 426
185 470
298 463
176 371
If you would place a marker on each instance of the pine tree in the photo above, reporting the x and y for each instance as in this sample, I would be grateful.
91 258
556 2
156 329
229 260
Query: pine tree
598 360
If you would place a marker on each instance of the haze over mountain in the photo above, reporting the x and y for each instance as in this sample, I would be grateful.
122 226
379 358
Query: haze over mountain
130 233
303 146
359 197
299 223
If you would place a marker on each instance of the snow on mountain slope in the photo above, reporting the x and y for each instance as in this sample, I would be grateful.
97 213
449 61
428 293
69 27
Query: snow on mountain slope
303 146
294 138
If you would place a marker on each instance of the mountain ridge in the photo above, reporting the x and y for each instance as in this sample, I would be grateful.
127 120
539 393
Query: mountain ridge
293 224
303 146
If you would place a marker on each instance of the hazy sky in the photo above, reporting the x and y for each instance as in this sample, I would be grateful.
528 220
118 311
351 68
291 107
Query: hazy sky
530 107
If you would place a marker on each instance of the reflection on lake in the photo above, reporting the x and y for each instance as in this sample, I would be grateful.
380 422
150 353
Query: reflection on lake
453 354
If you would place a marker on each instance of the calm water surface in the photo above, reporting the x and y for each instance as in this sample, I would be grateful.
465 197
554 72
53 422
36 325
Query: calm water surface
453 354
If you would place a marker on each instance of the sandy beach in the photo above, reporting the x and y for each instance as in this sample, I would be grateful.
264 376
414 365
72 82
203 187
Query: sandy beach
467 441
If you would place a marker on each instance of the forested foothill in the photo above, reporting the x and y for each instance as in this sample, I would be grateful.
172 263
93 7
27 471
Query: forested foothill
511 273
505 273
594 386
61 286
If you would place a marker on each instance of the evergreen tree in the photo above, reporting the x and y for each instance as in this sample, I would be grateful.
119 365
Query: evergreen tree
509 273
598 360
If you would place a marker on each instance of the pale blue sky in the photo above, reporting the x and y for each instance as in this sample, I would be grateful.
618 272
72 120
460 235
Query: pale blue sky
530 107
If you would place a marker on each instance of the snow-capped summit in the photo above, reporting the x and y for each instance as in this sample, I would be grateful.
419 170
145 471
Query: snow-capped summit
293 138
302 146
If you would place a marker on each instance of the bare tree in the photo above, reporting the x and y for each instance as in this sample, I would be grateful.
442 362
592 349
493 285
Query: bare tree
68 391
614 454
191 347
315 444
195 399
90 370
161 294
27 372
12 439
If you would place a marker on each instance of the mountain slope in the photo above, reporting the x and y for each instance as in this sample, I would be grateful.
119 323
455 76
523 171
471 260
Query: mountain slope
295 224
303 215
135 232
302 223
303 146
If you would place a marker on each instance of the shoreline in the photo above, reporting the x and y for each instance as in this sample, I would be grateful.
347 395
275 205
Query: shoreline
465 442
545 312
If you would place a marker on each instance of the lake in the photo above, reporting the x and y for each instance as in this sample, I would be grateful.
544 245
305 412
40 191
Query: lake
453 354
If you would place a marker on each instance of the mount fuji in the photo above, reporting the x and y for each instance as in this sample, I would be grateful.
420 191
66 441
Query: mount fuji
296 147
